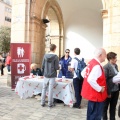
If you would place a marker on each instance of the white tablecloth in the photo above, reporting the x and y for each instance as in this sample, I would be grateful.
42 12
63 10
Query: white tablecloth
27 87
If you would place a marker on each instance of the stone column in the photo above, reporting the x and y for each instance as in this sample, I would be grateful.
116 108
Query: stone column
111 28
18 21
37 39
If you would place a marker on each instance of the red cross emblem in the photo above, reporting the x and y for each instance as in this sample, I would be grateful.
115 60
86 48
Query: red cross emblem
20 67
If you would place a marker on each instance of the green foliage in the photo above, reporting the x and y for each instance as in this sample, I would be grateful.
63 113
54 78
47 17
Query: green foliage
5 37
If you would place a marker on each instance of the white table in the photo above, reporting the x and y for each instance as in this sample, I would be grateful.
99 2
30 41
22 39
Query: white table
27 87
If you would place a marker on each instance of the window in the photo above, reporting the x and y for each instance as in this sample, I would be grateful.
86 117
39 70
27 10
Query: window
8 19
8 10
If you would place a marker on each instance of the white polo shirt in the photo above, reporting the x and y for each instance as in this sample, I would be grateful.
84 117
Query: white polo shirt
74 64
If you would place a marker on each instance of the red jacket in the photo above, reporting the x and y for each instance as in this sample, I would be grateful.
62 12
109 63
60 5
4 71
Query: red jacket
8 60
87 91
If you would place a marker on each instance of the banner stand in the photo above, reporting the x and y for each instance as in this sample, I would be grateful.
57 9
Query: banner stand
20 63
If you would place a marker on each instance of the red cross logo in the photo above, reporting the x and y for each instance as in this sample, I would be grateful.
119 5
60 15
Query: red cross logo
20 67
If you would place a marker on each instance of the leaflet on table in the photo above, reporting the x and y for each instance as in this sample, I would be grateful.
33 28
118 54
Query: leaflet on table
32 76
61 80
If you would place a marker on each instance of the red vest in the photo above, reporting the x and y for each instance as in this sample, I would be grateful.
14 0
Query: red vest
87 91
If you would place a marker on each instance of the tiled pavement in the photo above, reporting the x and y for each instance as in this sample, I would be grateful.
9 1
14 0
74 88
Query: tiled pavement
14 108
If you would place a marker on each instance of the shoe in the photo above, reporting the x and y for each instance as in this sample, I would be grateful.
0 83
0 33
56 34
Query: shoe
75 106
43 105
50 106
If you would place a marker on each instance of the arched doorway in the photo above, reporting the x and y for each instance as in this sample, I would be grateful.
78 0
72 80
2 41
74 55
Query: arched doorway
54 29
40 32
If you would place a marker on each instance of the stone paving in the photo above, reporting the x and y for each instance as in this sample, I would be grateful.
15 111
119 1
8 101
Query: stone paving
14 108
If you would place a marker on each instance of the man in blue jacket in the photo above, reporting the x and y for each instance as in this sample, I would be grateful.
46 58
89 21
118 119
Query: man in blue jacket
64 63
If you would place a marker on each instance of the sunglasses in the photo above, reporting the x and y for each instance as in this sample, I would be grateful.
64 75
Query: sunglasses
68 52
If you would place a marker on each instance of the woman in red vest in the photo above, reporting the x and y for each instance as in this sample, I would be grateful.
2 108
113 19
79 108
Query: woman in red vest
94 87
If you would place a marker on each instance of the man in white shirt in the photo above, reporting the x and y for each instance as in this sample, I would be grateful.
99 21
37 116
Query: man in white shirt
77 83
94 87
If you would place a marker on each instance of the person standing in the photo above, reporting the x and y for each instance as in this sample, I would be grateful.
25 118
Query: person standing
8 62
111 70
94 87
64 64
2 64
116 80
77 82
50 65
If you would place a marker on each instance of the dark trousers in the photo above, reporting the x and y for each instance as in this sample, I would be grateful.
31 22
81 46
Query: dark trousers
2 71
119 110
94 110
112 108
77 83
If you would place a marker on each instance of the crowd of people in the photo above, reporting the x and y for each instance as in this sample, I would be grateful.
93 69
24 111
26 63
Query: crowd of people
96 83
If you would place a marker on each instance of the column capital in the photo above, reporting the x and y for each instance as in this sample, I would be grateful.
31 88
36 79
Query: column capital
104 13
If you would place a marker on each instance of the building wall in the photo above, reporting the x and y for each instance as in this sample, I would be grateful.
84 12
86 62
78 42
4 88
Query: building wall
83 25
28 26
2 14
111 36
5 14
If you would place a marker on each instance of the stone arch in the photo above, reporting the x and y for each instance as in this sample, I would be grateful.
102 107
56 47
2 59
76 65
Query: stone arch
37 29
53 5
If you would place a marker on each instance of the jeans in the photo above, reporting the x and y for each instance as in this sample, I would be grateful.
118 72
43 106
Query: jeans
94 110
48 83
8 68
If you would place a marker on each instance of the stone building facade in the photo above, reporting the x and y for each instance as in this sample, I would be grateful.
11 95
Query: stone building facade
111 26
5 13
28 26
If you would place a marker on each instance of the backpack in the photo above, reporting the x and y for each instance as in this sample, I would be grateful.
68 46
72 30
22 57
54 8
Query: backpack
80 67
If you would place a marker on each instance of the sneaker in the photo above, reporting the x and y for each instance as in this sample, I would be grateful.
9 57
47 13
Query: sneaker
50 106
43 105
